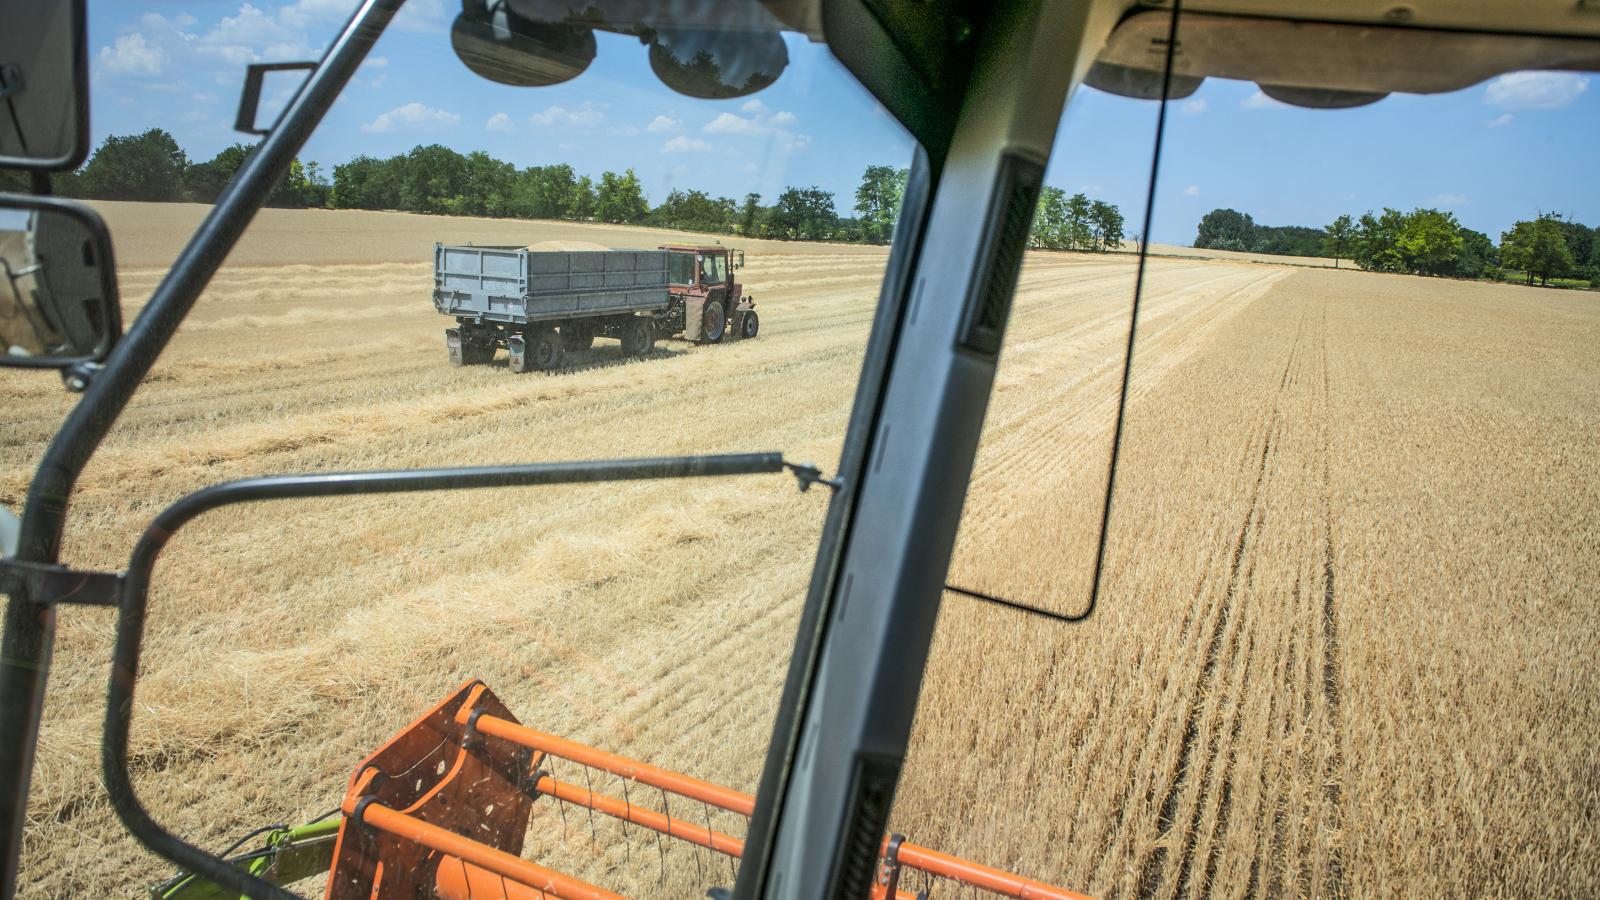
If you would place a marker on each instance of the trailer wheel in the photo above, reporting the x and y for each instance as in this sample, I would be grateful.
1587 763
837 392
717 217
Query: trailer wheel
751 326
713 323
639 336
576 337
545 349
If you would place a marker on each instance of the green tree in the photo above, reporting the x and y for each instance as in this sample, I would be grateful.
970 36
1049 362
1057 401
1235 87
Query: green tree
694 211
1341 233
878 202
1049 219
1375 247
803 214
1226 229
750 215
1106 221
582 203
146 166
1429 241
1538 248
621 198
1478 255
205 181
544 192
1077 230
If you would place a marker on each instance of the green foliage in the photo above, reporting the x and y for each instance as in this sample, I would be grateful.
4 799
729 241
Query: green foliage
1377 241
621 198
1341 235
1478 255
695 211
205 181
803 214
1226 229
878 201
1106 220
1075 223
1429 241
148 166
1537 248
750 215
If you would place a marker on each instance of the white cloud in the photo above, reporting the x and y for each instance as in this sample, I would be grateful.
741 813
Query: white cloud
1536 90
585 116
1194 106
498 122
1501 120
1258 100
131 54
1192 190
1448 200
412 116
685 144
662 123
728 123
777 127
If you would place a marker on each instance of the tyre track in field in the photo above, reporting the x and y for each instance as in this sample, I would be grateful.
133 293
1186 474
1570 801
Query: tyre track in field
1151 878
1332 675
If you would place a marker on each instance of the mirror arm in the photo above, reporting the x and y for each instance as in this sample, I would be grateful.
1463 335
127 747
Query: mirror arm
29 629
250 97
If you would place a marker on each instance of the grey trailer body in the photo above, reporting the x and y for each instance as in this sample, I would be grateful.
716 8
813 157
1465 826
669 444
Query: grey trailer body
517 286
540 304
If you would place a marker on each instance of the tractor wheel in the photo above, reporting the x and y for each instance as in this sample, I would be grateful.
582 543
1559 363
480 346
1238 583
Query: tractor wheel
751 326
713 323
576 337
639 336
545 350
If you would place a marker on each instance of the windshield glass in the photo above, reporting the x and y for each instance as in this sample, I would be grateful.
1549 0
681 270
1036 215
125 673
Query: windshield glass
288 640
713 268
1348 559
680 268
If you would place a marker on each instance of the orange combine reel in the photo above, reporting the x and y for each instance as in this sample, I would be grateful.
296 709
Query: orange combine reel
442 810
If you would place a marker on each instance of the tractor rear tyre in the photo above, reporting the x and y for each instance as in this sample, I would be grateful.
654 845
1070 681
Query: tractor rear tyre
576 337
639 336
713 323
751 326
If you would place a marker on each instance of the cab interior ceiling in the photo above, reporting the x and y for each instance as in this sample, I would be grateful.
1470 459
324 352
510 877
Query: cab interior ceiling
915 55
1321 64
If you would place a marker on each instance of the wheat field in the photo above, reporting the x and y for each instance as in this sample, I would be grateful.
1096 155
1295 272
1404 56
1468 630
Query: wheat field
1344 647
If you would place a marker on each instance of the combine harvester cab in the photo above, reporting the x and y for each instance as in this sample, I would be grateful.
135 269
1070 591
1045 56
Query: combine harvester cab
442 810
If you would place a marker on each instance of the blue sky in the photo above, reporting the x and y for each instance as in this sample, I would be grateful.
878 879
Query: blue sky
1491 154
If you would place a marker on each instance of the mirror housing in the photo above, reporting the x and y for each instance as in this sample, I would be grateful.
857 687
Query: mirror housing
44 85
501 45
58 285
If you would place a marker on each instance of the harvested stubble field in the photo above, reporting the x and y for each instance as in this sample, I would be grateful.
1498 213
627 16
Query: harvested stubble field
1345 647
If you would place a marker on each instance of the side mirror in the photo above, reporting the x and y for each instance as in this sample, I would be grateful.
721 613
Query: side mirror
58 285
497 43
44 81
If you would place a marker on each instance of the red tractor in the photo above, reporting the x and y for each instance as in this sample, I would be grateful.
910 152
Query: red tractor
705 303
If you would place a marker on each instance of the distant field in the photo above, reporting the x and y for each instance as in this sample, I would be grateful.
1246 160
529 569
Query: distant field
1346 645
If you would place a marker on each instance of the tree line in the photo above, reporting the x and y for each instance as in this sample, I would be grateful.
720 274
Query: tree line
1424 241
435 179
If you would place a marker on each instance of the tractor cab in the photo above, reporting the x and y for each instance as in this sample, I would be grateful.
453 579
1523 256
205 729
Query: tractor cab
712 304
